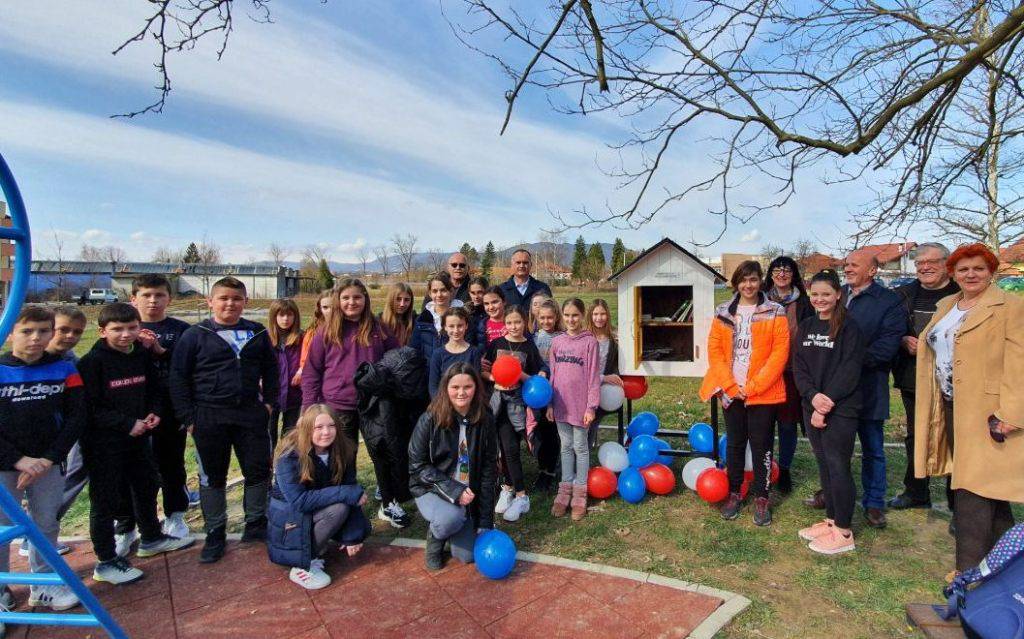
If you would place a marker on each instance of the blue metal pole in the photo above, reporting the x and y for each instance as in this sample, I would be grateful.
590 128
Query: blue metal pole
19 232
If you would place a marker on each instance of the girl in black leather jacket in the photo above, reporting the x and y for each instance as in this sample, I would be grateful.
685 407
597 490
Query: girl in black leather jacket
453 457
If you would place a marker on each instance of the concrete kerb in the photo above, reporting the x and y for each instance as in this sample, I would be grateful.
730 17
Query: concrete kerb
732 603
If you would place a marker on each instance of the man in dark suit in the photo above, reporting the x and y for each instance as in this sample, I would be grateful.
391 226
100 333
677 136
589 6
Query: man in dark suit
522 286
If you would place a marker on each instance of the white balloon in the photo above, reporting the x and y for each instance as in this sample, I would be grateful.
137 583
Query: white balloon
613 457
748 460
693 469
612 397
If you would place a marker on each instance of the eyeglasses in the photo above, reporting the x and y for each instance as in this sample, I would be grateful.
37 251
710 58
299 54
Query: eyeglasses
457 265
920 263
782 270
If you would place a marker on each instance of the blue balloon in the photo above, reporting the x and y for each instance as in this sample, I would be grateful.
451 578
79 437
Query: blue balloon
702 438
632 486
537 392
643 451
723 444
643 424
664 459
495 554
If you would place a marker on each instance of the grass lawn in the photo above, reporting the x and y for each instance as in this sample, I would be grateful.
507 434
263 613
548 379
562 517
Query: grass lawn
794 592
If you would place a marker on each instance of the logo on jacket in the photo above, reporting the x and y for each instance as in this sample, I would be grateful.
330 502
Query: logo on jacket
127 381
569 359
26 392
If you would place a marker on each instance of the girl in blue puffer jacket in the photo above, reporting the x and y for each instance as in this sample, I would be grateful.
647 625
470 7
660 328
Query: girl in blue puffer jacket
315 500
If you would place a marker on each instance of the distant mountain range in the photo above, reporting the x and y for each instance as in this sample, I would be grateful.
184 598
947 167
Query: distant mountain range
563 253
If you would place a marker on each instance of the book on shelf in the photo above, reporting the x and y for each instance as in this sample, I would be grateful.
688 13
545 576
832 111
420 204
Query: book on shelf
683 312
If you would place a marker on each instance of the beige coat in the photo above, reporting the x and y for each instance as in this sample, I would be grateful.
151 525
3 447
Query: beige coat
988 379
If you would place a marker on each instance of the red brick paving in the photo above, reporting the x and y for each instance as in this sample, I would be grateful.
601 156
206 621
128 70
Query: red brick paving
385 591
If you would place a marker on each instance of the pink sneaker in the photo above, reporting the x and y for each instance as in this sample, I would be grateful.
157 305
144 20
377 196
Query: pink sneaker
832 543
817 530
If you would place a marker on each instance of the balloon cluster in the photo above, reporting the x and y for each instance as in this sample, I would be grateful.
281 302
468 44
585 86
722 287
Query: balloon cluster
710 482
641 468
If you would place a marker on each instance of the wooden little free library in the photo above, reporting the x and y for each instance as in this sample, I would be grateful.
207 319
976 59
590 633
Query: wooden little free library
666 303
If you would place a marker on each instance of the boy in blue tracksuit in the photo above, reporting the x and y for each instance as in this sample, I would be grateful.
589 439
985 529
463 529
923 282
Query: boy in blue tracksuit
41 416
224 384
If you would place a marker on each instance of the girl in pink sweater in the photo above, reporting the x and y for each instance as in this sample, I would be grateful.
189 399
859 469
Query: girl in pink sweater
576 379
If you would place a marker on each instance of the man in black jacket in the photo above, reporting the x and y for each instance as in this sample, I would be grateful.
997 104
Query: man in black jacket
218 371
458 270
919 299
122 395
520 288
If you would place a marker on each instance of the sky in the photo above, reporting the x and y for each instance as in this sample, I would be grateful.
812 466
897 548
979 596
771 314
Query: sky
338 125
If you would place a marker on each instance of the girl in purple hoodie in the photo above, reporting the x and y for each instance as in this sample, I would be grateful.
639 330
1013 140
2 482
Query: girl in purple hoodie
575 366
284 326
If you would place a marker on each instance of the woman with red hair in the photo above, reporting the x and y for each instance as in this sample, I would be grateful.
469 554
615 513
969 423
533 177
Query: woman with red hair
970 410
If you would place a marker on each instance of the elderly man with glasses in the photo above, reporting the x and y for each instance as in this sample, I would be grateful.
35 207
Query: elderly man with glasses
919 299
458 270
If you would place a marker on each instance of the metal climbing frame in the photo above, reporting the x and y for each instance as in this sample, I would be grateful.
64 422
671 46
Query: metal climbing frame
628 417
21 524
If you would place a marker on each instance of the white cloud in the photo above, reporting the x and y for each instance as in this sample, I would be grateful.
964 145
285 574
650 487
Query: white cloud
752 235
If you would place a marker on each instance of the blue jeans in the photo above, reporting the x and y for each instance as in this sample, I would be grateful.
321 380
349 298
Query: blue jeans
872 470
787 444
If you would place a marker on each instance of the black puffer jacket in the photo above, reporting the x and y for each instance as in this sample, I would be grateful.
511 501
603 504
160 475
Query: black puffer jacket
433 453
392 393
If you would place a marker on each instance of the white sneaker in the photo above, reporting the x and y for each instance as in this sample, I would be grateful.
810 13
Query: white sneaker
519 507
313 579
504 500
175 526
118 571
123 542
165 544
394 514
25 549
54 597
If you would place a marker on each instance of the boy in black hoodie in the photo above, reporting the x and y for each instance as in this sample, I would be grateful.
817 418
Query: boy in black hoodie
224 386
122 394
41 417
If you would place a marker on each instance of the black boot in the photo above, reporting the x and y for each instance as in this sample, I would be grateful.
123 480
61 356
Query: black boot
255 531
213 549
434 553
785 484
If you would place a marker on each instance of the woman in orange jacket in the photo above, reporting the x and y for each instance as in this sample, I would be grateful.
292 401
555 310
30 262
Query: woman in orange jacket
747 352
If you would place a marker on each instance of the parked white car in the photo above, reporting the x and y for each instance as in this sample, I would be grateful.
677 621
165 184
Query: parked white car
97 296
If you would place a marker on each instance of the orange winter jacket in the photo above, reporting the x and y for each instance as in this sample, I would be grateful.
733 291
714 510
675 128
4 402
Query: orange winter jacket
770 351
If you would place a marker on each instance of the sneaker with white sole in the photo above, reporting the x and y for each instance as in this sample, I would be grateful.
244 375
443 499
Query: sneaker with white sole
519 507
833 542
123 542
53 597
313 579
376 493
504 500
25 548
817 530
165 543
175 526
116 571
394 514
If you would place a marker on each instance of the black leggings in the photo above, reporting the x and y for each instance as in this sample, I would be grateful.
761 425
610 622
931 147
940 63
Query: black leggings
754 424
833 449
288 418
545 442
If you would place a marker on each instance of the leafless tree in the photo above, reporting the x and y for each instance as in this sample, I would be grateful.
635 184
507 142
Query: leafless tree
768 87
108 253
381 253
802 249
209 252
277 253
405 249
363 255
771 251
165 255
436 259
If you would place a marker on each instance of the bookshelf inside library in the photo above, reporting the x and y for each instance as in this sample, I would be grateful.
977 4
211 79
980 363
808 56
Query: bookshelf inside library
665 318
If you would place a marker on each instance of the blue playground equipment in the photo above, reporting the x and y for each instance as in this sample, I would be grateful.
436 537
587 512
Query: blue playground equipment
22 524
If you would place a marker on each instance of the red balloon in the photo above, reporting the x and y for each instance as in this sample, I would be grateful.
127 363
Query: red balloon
601 482
635 386
774 477
506 370
713 485
659 478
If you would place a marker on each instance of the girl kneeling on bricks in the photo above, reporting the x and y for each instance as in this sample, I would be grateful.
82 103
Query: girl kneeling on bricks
453 460
315 501
826 369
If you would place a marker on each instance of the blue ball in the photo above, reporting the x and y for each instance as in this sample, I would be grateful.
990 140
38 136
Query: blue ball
643 451
643 424
702 438
664 459
495 554
723 443
632 486
537 392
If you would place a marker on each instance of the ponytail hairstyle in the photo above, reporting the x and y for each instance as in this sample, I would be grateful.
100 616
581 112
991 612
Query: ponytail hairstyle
398 325
588 321
336 323
551 305
455 311
300 440
441 409
294 334
838 318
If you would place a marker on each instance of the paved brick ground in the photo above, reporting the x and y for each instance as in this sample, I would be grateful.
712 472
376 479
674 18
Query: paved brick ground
383 592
